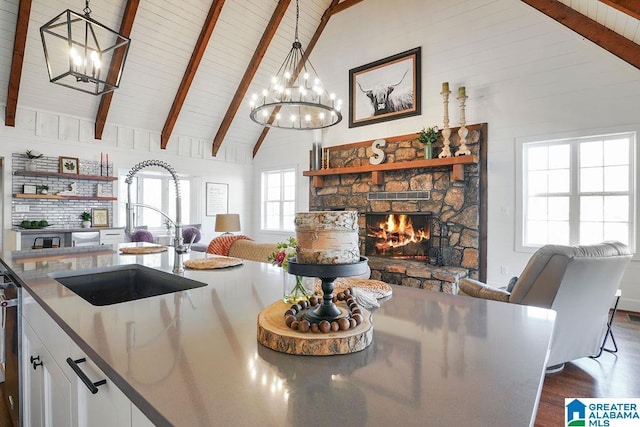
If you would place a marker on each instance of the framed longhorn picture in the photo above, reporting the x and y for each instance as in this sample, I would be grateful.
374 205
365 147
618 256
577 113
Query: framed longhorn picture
386 89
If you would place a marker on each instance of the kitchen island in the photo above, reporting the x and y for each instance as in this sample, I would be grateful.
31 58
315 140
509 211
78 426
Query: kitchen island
191 358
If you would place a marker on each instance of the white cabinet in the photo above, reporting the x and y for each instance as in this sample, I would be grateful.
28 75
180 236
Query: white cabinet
112 236
56 394
107 407
48 390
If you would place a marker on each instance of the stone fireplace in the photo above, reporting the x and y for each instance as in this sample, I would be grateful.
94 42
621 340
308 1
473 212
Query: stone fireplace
445 200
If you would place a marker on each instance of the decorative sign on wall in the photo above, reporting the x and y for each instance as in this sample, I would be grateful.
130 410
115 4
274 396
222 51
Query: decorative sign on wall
379 156
217 198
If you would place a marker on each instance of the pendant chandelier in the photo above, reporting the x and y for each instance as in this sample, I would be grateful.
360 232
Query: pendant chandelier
296 98
79 52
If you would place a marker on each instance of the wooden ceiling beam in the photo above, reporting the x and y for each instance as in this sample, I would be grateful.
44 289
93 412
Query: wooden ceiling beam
241 91
607 39
630 7
333 8
190 72
126 25
19 42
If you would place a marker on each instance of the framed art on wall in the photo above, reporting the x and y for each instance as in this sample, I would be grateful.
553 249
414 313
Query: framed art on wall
386 89
69 165
217 198
99 217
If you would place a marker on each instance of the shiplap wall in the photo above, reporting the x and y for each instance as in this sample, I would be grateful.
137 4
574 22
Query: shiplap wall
526 76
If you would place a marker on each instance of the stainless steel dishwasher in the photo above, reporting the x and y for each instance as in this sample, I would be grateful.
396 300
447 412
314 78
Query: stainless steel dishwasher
10 344
85 238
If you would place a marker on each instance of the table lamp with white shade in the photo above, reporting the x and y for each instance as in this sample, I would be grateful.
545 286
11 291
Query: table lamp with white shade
226 223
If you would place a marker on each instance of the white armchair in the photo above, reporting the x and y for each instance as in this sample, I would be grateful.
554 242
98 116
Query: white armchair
578 282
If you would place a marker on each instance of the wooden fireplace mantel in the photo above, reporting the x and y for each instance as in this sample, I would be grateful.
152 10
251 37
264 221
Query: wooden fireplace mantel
377 171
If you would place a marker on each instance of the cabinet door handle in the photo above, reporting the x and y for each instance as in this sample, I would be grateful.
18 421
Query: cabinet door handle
35 362
93 387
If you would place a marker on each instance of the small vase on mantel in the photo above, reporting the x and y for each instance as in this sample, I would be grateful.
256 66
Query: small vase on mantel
428 150
86 224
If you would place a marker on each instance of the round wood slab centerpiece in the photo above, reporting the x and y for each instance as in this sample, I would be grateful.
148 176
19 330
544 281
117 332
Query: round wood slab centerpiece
273 331
276 335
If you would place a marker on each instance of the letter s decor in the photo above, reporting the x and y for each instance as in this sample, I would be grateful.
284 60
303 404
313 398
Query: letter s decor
378 155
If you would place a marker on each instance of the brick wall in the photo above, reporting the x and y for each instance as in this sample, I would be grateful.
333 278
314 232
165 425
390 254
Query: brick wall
59 213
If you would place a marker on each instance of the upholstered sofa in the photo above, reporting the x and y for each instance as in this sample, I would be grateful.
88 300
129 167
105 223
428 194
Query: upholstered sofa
254 251
238 246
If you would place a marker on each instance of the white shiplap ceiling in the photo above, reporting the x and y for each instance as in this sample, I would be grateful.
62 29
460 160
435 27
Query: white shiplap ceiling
163 37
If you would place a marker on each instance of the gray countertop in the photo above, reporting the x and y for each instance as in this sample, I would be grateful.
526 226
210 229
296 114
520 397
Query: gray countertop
192 358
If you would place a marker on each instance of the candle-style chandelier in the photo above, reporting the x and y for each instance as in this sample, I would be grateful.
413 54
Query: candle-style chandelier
79 52
296 98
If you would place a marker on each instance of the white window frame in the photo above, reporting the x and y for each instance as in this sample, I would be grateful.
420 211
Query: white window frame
573 139
263 201
166 183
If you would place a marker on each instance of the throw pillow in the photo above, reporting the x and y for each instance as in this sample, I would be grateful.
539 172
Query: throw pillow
142 236
188 233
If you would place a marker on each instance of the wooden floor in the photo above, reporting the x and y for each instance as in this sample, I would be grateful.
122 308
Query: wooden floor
611 375
5 419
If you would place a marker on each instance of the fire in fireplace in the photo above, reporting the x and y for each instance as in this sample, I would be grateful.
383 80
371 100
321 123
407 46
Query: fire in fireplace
404 236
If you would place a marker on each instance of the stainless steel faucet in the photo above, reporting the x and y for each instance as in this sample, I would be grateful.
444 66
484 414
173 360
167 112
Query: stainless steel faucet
179 247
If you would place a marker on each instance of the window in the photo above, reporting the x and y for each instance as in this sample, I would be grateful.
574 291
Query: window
158 191
577 191
278 201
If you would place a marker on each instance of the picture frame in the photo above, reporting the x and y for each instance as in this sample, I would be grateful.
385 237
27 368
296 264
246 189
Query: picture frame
69 165
99 217
217 198
29 189
103 190
386 89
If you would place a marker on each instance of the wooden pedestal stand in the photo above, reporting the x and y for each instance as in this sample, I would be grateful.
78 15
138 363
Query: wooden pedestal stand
275 334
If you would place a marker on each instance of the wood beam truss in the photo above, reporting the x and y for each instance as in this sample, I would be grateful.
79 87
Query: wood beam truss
630 7
19 42
241 91
190 72
618 45
116 61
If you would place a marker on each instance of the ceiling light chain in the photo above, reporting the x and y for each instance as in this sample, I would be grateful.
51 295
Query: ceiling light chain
296 98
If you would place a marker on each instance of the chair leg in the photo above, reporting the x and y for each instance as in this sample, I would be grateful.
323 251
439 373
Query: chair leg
609 332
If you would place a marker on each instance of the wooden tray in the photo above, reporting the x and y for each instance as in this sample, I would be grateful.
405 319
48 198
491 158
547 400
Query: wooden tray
211 263
139 250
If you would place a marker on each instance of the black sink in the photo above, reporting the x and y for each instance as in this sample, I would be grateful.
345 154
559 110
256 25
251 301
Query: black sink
113 285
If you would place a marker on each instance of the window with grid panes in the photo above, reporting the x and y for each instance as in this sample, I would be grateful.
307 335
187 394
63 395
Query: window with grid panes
578 191
278 200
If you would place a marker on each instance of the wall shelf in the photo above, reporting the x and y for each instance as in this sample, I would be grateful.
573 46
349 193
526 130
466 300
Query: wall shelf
377 171
65 175
56 197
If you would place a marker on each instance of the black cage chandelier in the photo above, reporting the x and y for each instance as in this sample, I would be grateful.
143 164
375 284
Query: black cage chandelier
79 52
296 98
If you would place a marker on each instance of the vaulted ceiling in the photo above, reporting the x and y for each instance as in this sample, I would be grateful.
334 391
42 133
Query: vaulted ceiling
192 63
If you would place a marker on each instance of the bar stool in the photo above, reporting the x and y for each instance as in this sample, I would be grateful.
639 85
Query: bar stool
46 242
